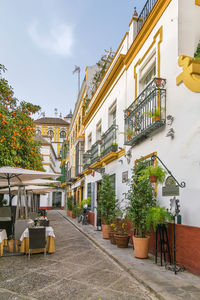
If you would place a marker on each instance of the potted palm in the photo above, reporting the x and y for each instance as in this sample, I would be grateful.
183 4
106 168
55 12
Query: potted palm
141 199
155 174
106 204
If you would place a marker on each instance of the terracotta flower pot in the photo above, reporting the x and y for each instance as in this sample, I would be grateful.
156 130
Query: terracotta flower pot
141 247
112 238
121 240
152 179
156 118
105 231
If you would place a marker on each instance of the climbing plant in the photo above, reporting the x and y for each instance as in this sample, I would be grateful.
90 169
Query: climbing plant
197 53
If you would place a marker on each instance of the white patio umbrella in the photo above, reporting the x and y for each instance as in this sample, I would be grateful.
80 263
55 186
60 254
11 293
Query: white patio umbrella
18 175
29 188
31 182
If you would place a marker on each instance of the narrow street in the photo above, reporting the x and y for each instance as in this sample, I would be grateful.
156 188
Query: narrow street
77 270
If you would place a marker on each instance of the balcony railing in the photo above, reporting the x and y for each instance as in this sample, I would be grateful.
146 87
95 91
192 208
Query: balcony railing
109 139
86 159
95 152
144 13
147 113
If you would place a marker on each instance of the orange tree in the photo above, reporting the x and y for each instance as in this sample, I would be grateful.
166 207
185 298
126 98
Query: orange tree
17 145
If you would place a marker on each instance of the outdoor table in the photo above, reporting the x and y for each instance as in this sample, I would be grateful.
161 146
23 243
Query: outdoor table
50 241
3 240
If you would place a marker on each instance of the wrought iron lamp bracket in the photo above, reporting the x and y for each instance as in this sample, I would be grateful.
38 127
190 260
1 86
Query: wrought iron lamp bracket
182 184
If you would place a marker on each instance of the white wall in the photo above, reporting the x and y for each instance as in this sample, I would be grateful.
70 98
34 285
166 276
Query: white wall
181 154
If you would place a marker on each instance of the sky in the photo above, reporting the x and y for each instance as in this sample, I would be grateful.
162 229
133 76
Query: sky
42 40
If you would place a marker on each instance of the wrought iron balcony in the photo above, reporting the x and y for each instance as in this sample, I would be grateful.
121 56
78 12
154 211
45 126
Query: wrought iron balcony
86 159
147 113
95 152
145 13
109 139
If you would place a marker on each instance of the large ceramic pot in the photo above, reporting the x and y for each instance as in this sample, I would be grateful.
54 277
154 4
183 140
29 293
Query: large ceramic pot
141 247
112 238
121 240
105 231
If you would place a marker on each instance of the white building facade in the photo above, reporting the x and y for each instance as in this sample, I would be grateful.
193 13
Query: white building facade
148 103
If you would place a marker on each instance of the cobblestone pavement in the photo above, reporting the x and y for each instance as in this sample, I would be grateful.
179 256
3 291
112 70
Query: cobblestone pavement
78 270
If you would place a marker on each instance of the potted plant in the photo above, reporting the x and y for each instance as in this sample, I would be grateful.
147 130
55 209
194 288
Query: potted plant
155 174
130 133
69 205
106 204
157 216
114 147
121 236
113 230
141 198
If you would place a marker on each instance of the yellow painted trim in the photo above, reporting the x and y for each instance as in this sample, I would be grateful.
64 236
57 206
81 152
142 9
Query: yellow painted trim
134 18
159 32
63 184
154 16
191 73
105 161
197 2
106 86
155 163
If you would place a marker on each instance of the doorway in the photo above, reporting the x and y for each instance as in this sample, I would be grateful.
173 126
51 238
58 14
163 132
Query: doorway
56 200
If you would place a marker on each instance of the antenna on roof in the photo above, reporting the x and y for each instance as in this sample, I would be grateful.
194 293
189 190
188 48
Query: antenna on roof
43 114
77 70
56 112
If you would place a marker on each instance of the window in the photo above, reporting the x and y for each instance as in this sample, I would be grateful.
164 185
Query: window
89 141
112 115
63 134
50 133
98 131
112 177
38 132
148 71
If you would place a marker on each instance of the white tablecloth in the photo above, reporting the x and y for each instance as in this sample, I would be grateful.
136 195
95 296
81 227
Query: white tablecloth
49 232
3 235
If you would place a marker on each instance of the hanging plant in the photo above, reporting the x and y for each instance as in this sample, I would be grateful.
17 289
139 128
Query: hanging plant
155 174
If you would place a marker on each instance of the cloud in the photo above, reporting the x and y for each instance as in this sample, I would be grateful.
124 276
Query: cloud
59 39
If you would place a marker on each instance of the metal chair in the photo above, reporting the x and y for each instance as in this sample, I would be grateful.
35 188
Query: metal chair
37 239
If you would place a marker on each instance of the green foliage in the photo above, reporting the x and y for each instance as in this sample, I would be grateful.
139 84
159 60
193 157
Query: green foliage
129 132
69 203
141 198
157 215
18 147
197 53
153 171
107 203
114 144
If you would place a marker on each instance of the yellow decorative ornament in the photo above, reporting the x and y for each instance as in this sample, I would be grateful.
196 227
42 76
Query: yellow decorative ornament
191 73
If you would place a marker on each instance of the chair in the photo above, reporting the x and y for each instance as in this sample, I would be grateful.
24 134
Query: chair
37 239
6 219
20 226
